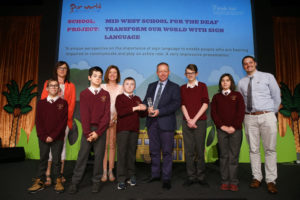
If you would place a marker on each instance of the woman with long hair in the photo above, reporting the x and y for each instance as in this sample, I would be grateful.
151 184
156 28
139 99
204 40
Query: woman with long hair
112 80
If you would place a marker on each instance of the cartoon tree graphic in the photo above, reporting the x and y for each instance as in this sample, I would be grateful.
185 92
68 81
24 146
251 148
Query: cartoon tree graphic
291 108
18 103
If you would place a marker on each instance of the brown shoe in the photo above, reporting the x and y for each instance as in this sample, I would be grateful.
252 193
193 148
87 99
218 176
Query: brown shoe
255 183
37 186
59 188
272 188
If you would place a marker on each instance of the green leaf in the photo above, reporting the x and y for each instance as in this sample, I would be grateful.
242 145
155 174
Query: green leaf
286 113
286 96
9 109
26 109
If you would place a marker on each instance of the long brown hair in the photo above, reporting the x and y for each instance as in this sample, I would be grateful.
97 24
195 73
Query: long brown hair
232 84
107 72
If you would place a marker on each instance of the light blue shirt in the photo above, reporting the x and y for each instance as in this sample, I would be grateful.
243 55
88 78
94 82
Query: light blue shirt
162 89
265 92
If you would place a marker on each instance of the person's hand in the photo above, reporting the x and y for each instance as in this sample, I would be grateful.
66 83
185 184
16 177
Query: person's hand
49 140
191 123
231 130
142 107
92 136
150 111
224 128
155 113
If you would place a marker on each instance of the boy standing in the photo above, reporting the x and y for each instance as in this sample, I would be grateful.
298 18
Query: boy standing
194 104
51 121
129 109
95 116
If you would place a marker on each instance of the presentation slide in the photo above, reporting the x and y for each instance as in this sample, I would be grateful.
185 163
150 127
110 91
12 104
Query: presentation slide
136 35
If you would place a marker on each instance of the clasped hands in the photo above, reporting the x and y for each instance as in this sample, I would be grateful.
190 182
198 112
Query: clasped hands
92 136
140 107
228 129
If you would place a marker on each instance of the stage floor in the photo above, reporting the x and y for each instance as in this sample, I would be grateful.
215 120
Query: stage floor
16 178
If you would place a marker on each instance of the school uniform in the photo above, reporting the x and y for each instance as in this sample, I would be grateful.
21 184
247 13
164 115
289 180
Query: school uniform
51 121
193 97
95 116
127 134
228 109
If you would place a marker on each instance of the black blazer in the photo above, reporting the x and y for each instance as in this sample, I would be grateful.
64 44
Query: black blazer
168 104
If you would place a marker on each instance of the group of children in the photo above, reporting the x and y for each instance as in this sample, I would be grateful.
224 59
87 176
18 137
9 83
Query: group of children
51 121
52 116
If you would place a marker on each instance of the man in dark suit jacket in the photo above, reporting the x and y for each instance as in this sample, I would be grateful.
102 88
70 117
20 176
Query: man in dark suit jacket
161 123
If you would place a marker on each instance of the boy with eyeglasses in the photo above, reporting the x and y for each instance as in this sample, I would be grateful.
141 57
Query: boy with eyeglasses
51 121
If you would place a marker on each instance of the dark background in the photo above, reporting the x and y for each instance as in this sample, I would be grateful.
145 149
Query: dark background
263 12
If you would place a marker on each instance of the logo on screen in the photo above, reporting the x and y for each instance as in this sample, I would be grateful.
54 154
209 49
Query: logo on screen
84 7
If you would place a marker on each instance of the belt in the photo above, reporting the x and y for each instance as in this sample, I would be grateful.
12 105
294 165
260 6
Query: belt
257 113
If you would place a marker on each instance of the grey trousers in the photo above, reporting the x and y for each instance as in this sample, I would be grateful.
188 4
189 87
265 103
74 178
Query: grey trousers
230 145
194 145
56 149
126 144
83 155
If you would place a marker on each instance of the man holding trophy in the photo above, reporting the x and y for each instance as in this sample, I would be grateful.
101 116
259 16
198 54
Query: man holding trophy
163 100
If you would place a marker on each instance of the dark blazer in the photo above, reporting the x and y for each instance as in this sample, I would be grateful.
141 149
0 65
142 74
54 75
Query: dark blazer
169 102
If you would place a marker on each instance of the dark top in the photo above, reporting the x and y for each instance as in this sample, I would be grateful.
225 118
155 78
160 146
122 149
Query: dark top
168 105
127 119
94 111
51 119
228 110
193 99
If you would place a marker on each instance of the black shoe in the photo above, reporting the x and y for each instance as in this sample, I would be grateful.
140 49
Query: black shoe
188 182
203 183
152 179
96 187
72 189
167 184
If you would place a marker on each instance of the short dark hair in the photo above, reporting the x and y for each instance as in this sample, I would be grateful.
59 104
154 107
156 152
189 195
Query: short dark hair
57 65
232 84
192 67
128 78
51 80
162 63
107 72
248 56
95 68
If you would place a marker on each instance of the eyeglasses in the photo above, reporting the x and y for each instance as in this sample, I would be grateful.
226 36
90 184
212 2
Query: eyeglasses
189 73
53 86
62 68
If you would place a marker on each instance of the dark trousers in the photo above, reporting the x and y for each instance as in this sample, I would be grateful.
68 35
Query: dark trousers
194 145
126 144
56 149
230 145
83 155
160 140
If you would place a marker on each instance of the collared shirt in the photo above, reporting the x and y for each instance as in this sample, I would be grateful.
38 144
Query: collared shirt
54 99
128 95
188 85
226 92
265 92
157 87
92 89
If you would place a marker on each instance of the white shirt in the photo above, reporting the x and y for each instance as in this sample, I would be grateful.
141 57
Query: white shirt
92 89
265 92
128 95
188 85
226 92
54 99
